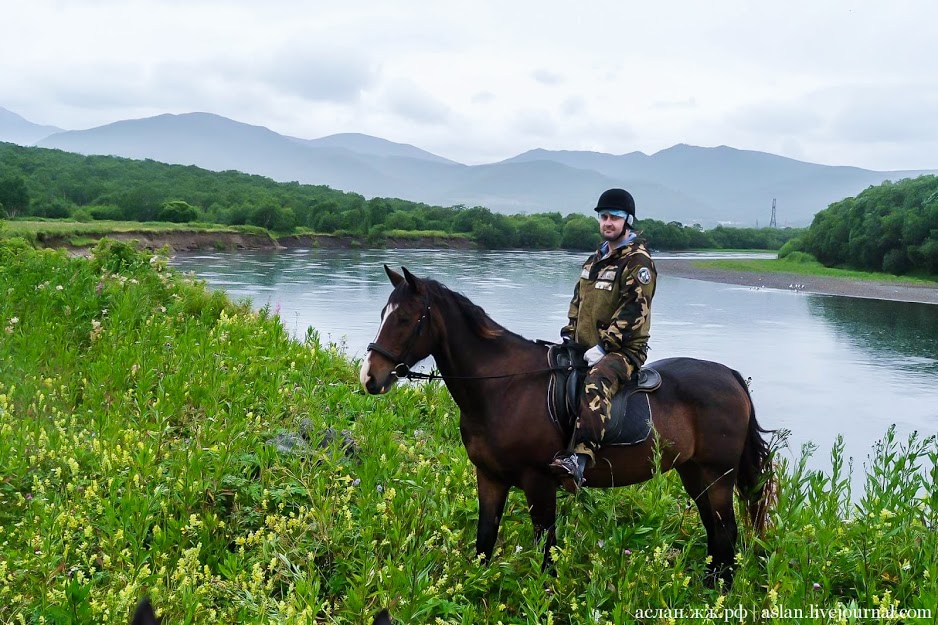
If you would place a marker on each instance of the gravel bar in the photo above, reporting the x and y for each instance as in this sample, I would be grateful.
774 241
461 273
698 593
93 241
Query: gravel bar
823 285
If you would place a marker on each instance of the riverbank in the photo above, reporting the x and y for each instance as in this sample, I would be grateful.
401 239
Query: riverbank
80 238
926 293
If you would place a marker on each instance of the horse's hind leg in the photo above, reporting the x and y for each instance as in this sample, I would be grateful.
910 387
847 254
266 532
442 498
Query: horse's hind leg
693 484
492 496
721 537
712 491
691 476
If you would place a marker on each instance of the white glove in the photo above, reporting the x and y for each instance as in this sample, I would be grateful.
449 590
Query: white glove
594 355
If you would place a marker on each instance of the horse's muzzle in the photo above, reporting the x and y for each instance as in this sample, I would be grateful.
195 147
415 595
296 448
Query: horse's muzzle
376 384
374 388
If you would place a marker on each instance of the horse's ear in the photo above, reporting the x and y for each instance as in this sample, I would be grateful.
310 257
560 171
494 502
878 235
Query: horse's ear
395 277
411 280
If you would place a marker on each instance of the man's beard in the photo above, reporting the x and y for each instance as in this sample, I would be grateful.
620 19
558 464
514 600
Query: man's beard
613 235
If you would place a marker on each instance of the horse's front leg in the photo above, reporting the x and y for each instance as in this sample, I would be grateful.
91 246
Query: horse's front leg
492 496
540 489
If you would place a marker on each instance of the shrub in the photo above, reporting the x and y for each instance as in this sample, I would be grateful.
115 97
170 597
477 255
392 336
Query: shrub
794 245
580 234
116 257
82 215
107 212
897 262
177 211
800 257
10 248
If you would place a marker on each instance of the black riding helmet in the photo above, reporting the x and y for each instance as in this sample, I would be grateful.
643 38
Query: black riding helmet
617 200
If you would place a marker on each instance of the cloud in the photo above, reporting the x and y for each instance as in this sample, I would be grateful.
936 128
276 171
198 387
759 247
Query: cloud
482 97
409 101
574 105
886 114
687 103
319 73
831 82
537 123
547 77
777 118
90 89
853 113
884 126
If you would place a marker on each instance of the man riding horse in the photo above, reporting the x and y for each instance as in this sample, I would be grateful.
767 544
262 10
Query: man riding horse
704 420
611 314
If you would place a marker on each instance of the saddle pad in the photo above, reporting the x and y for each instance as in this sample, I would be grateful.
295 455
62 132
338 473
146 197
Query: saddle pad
631 419
631 408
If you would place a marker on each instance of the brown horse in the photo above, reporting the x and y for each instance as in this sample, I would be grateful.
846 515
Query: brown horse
704 421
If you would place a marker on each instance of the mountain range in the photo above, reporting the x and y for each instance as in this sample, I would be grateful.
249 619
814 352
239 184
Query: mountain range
683 183
16 129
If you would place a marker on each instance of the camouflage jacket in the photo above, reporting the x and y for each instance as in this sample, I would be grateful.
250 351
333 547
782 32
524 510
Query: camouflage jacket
611 303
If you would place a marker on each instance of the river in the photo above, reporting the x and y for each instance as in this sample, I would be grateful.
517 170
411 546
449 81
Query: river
821 366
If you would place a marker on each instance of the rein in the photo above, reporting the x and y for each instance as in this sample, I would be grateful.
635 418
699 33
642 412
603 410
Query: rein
417 375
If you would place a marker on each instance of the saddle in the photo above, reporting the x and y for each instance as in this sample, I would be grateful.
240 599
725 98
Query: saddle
631 419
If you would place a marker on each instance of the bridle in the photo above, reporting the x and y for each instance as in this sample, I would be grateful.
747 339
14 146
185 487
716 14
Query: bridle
402 369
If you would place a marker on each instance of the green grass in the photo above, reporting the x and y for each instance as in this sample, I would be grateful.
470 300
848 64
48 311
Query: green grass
82 241
810 268
136 410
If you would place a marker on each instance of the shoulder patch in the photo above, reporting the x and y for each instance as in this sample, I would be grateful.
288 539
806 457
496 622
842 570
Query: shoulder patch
644 275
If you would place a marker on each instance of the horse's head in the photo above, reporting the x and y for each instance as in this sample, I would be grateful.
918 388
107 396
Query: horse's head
404 336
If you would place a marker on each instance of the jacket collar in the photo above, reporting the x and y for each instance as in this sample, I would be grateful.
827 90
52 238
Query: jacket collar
626 240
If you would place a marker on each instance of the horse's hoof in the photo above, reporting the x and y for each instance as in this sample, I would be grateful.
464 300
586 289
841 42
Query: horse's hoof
721 578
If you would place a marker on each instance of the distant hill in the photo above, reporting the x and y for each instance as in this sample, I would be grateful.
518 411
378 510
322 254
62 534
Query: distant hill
682 183
728 184
218 143
374 146
15 129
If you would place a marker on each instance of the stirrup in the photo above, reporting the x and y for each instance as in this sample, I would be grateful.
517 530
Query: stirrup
568 467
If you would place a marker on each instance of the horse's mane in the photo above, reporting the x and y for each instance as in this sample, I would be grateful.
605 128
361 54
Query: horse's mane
478 320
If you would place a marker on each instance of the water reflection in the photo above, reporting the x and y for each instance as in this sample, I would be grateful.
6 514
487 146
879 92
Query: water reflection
899 336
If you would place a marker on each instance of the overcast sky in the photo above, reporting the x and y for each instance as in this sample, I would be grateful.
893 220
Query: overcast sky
827 81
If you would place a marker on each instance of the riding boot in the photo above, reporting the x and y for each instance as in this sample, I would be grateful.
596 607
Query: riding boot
568 467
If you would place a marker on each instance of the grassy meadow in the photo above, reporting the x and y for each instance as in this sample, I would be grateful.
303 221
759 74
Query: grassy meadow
157 438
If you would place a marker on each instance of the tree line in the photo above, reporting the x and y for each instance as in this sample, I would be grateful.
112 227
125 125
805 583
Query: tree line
37 182
892 228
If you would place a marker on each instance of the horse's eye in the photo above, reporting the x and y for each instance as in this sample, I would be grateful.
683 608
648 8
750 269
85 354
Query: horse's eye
402 320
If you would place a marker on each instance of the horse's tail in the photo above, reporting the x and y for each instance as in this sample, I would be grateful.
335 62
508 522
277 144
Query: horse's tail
756 480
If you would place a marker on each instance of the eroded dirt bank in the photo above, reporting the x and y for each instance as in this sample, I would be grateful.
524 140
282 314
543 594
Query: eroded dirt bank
195 240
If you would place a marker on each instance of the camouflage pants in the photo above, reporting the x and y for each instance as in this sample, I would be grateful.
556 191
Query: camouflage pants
602 383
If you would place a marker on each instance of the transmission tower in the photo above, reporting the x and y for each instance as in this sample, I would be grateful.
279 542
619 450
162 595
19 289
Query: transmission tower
772 223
